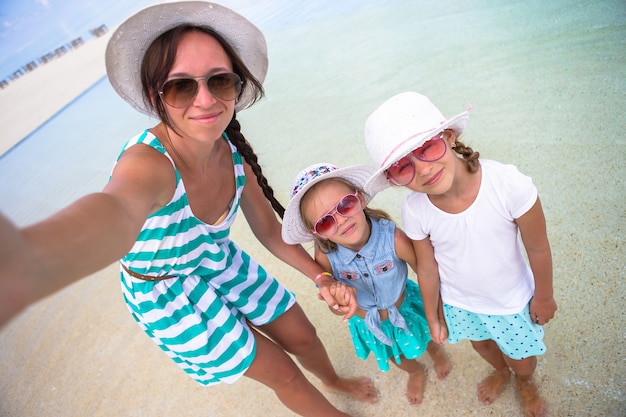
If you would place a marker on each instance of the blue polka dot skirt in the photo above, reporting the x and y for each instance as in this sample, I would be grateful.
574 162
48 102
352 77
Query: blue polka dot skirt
409 345
516 334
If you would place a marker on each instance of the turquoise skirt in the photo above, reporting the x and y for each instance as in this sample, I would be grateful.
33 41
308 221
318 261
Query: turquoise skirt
410 345
517 336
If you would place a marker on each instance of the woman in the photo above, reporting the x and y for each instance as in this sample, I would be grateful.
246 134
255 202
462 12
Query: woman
173 195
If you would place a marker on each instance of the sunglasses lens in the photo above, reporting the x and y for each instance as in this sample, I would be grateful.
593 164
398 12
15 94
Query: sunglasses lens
326 226
432 150
179 92
226 86
349 206
401 173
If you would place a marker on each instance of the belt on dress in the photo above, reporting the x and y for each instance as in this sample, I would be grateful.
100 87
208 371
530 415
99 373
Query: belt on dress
146 277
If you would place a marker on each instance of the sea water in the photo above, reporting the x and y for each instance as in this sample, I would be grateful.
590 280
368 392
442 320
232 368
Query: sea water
72 153
532 70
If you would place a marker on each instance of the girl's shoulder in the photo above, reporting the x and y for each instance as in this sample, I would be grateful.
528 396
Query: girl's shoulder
504 182
414 200
499 167
382 225
502 173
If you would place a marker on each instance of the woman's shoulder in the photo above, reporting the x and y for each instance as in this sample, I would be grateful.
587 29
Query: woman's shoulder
145 137
148 149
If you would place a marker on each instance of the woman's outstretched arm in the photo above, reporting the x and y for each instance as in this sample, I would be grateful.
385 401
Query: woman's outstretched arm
86 236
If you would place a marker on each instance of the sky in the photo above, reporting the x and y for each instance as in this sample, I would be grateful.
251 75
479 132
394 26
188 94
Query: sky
31 28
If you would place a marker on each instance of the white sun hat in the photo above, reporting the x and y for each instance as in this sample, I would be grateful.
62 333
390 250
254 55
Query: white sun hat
293 229
130 41
401 124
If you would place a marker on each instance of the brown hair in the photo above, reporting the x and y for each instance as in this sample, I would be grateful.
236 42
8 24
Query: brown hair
159 58
326 245
155 67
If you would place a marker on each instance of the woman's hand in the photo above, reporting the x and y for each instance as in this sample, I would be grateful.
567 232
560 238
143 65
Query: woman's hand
17 284
340 298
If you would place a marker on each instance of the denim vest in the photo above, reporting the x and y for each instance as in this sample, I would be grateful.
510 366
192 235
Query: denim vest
376 273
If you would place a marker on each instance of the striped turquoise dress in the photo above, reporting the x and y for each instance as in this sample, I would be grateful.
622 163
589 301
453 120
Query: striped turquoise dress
199 318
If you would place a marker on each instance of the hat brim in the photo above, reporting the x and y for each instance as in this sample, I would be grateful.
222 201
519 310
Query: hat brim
378 180
129 42
293 229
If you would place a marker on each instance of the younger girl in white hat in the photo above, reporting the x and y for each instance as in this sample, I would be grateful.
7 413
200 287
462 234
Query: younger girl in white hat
464 217
366 251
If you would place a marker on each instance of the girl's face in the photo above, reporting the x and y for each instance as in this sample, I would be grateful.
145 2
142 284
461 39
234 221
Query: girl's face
436 178
207 116
352 232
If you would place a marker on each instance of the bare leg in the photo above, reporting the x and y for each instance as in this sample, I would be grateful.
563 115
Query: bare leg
416 381
534 405
490 388
275 369
440 358
294 332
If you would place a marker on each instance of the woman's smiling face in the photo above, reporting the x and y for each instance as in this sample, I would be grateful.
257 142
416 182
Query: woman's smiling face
207 116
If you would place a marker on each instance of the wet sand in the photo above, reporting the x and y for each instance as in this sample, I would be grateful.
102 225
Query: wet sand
548 96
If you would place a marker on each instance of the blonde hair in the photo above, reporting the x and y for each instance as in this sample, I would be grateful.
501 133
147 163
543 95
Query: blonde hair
326 245
470 156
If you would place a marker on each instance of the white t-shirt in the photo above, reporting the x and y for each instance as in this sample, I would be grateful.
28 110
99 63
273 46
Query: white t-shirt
482 267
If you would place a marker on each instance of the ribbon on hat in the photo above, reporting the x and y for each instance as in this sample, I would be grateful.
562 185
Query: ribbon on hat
399 145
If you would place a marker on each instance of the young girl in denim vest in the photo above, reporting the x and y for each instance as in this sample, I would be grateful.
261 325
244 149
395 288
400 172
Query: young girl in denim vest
464 217
366 251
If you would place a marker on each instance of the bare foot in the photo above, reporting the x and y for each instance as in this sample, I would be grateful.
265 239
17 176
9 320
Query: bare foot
534 405
490 388
415 386
361 388
441 360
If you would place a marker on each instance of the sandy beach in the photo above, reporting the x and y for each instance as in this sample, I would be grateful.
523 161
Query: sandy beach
549 97
34 98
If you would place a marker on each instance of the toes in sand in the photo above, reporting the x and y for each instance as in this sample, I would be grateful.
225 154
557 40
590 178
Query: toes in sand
534 405
361 388
441 361
490 388
415 386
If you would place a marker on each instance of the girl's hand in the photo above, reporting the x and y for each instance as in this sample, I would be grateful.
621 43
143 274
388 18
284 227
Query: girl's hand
340 293
444 331
542 310
339 297
438 332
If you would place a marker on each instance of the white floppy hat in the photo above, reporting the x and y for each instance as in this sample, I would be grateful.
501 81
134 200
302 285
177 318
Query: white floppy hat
294 230
401 124
129 42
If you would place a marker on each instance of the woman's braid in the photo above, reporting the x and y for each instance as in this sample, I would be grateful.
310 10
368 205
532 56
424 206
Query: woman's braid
234 134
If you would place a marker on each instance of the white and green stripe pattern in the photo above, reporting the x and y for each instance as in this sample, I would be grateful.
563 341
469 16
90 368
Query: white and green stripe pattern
199 317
